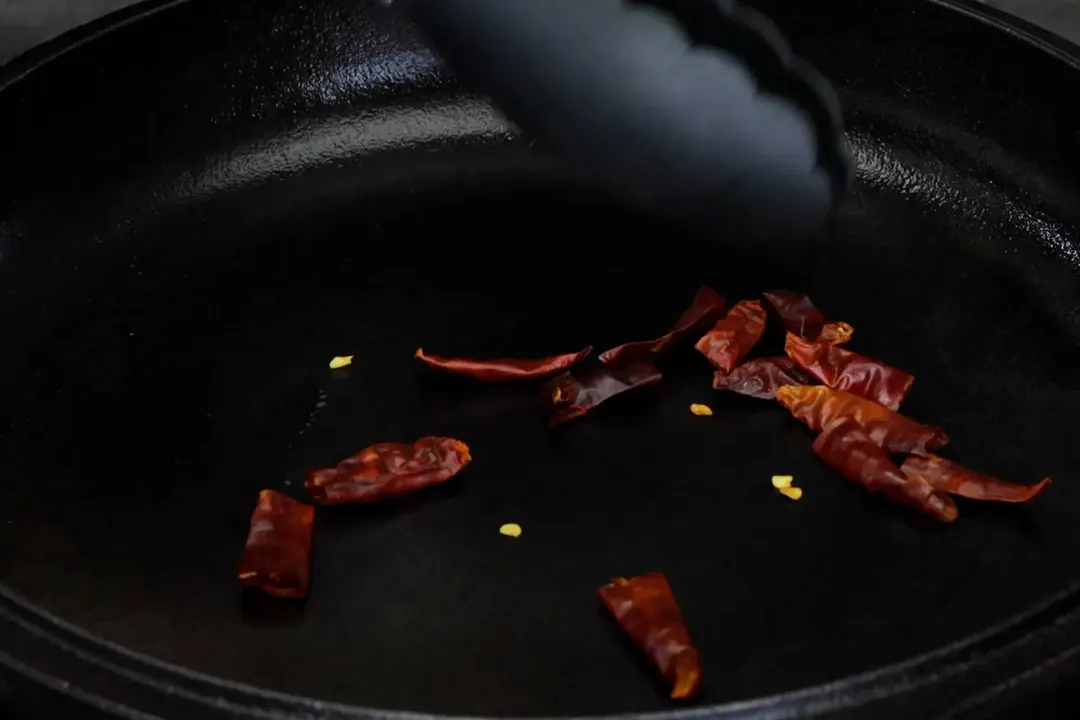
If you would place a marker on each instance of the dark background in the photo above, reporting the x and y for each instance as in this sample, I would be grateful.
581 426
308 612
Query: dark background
24 23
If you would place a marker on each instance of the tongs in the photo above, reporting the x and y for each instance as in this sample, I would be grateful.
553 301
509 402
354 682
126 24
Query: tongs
692 108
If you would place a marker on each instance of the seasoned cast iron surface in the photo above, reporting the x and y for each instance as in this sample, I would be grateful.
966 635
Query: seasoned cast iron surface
24 23
181 259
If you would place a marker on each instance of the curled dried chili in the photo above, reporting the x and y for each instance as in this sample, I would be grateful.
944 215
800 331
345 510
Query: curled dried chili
847 448
799 317
797 313
567 397
277 555
820 406
502 369
388 469
734 335
761 378
844 370
646 610
707 307
947 476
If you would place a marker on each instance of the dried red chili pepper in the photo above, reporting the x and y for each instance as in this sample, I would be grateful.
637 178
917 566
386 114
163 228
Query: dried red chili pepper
799 317
705 310
820 406
761 378
733 336
502 369
389 469
949 477
847 447
797 313
844 370
567 397
277 556
646 610
836 333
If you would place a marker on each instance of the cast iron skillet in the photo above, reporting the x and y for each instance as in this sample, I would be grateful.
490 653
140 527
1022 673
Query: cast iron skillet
202 202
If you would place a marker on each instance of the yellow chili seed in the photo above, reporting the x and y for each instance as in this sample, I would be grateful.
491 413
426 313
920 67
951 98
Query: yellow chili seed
792 493
341 361
782 481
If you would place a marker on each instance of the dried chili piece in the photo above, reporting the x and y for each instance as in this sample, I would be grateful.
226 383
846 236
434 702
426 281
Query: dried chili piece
947 476
761 378
820 406
799 317
646 610
386 470
848 448
502 369
797 313
567 397
844 370
705 310
277 555
836 333
733 336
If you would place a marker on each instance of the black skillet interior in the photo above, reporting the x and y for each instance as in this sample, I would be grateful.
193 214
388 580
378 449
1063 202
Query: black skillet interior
199 210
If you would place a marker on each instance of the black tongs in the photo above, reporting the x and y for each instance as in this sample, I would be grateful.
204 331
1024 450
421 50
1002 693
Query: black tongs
695 108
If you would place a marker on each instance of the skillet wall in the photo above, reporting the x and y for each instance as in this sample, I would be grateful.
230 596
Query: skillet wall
94 155
958 117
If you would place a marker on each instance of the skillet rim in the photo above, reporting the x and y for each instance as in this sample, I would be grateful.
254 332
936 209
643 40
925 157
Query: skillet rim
123 682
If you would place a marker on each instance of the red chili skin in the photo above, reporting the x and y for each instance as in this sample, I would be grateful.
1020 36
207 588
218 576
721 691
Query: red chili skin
799 317
733 336
844 370
503 369
277 555
761 378
646 610
797 313
954 479
820 406
706 309
567 397
847 448
388 470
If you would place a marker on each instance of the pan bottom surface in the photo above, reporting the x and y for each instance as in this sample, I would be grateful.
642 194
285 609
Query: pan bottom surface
148 425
